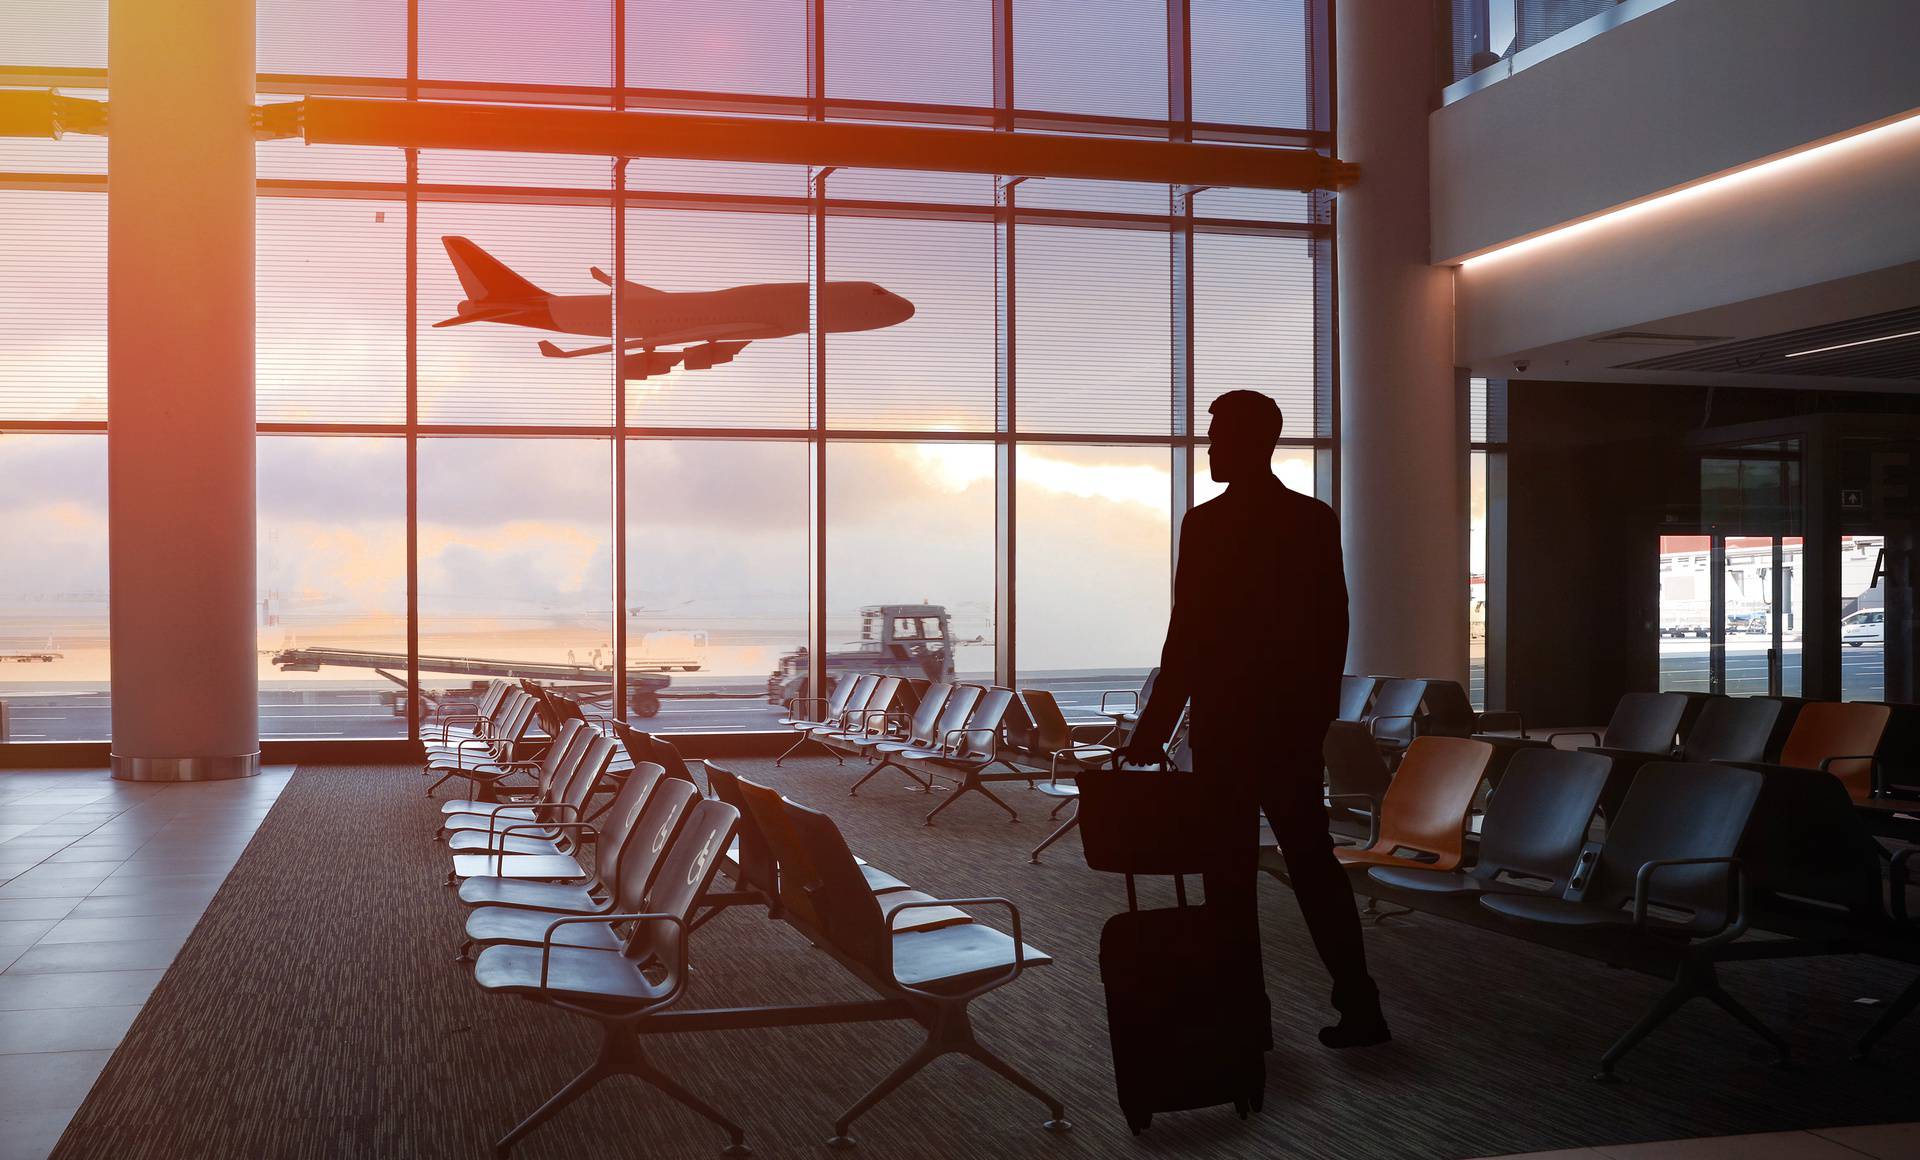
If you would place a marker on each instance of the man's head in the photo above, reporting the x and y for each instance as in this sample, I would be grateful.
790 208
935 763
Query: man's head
1244 432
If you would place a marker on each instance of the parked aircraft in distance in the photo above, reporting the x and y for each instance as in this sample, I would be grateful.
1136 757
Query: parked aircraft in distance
711 325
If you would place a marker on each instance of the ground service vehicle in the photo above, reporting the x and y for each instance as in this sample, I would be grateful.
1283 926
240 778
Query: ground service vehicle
896 640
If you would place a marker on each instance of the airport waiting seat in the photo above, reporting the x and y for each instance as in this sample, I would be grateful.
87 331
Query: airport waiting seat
915 728
968 754
451 726
619 988
509 746
1053 745
1900 751
1357 778
1532 837
633 836
1450 713
1839 738
1641 723
1394 716
797 874
543 771
643 747
952 717
1725 729
556 769
1424 811
1665 894
805 714
544 849
868 722
755 874
1783 725
1355 693
935 972
592 894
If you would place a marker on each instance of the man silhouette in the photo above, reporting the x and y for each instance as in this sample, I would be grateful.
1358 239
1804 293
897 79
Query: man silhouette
1257 641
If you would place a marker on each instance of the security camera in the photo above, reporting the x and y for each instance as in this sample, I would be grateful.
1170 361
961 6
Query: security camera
1520 366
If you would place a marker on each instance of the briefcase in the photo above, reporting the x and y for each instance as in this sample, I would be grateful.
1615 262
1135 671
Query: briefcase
1161 821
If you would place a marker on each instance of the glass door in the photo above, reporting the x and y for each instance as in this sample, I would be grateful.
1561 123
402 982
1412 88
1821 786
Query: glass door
1754 641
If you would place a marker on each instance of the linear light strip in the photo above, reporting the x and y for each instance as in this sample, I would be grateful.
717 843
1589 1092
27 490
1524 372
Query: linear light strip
1857 342
1820 150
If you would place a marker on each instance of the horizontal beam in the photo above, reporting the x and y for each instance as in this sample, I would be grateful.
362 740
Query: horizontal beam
782 141
45 113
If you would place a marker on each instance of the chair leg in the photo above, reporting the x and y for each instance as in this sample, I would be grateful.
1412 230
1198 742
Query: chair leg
1060 832
869 775
994 798
1685 986
737 1141
926 1053
1058 1121
620 1055
1749 1020
957 795
1897 1010
574 1089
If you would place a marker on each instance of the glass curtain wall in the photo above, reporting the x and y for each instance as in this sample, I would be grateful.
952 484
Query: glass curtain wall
986 484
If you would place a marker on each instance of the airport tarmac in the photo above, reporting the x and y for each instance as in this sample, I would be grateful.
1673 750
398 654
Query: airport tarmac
45 712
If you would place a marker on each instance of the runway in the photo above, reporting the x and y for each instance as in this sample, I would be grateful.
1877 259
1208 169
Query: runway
48 712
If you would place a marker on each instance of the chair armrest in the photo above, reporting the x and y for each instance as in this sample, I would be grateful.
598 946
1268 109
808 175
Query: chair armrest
530 827
1373 812
1875 776
1559 733
1019 946
1736 927
1132 696
792 701
495 816
1897 881
1373 721
680 967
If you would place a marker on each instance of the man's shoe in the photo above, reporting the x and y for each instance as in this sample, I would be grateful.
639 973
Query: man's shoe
1365 1031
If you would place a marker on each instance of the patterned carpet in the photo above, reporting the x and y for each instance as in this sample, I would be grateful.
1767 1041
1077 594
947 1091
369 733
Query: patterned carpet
318 1012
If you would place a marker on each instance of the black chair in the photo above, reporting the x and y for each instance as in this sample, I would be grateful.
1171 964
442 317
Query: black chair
1533 837
612 987
1355 692
936 973
636 831
1357 778
591 895
1725 729
642 746
1641 723
1665 894
1450 713
1394 716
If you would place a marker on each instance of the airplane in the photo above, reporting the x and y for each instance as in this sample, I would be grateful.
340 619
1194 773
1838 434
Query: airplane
711 325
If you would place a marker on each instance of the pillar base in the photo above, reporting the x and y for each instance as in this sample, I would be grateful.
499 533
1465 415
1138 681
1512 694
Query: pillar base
185 768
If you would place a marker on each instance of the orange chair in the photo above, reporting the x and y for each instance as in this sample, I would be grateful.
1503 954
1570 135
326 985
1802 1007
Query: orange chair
1425 809
1838 737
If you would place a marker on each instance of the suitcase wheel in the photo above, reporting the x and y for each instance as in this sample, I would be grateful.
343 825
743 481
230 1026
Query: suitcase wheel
1139 1121
1240 1106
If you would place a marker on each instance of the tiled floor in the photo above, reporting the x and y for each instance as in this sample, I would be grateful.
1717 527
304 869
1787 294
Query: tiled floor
100 884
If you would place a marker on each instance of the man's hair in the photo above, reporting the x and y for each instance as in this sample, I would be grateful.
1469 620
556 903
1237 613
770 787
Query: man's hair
1252 415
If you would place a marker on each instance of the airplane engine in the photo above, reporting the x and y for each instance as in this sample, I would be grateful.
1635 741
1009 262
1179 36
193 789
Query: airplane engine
711 354
648 363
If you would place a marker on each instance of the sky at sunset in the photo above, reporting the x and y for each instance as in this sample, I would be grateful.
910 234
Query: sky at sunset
514 533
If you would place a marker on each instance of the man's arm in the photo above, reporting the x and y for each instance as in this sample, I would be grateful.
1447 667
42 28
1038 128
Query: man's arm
1174 685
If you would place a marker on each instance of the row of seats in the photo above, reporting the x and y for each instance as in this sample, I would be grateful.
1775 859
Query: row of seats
969 734
584 889
1626 855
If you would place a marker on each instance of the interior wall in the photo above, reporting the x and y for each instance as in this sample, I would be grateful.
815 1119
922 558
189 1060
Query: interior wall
1595 470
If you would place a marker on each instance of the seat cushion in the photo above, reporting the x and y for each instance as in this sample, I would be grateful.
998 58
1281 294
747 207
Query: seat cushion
568 897
1426 881
879 881
920 917
1354 856
574 972
482 821
483 808
507 924
1065 789
1555 911
955 958
557 867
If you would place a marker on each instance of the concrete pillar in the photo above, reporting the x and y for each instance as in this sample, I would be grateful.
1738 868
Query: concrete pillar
180 425
1403 427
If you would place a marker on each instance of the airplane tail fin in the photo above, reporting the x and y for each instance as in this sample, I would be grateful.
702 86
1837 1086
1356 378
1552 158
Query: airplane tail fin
485 278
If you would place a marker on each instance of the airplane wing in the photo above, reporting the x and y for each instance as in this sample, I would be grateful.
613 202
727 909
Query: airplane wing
551 351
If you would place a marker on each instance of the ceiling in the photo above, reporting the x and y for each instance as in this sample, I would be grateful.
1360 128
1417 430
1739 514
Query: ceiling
1842 349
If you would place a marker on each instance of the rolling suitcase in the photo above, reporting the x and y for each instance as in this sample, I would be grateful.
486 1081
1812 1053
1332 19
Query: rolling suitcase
1187 1011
